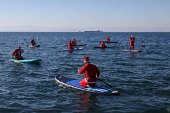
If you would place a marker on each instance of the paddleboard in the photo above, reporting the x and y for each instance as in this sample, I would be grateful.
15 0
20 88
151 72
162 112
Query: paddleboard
25 60
108 42
104 47
73 83
34 46
132 50
75 49
78 45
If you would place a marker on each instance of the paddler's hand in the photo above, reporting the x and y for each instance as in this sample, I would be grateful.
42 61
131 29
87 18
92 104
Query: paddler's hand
78 70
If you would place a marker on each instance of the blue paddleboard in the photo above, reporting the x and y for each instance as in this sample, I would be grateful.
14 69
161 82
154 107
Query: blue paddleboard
69 82
75 49
25 60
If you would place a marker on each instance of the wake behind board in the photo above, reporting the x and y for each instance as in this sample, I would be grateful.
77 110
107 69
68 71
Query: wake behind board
75 49
73 83
26 60
132 50
104 47
108 42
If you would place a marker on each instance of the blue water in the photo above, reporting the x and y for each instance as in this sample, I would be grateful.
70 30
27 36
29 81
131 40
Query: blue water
142 78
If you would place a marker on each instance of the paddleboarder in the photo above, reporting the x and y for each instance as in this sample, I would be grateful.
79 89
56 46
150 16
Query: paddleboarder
74 42
132 39
108 39
70 46
33 43
17 53
102 44
91 72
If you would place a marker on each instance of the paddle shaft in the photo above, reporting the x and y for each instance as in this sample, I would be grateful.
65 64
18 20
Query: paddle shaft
97 78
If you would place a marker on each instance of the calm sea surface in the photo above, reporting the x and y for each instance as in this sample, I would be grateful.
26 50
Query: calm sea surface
143 78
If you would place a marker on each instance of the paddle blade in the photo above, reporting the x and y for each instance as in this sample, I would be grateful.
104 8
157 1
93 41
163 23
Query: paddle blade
143 46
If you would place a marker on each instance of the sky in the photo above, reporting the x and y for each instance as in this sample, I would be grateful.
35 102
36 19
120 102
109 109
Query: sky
84 15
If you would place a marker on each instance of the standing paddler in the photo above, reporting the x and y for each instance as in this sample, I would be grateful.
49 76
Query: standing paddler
132 39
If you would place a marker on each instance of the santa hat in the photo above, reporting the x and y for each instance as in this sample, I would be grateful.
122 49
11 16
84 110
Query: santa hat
86 59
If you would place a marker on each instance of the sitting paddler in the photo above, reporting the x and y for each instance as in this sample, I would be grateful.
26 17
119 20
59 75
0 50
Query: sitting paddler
102 44
91 73
70 46
33 43
74 42
132 39
108 39
17 53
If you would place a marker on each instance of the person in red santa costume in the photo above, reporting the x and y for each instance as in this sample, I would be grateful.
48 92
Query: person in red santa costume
17 53
74 43
102 44
91 73
70 46
108 39
132 39
33 43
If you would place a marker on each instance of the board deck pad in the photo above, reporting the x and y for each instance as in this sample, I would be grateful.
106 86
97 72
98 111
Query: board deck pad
75 49
75 84
26 60
132 50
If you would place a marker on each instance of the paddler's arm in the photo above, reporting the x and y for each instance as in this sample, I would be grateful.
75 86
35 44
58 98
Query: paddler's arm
13 53
82 70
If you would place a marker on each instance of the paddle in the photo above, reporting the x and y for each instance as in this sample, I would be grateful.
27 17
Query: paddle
97 78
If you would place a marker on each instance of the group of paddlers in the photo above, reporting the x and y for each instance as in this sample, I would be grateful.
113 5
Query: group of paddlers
90 71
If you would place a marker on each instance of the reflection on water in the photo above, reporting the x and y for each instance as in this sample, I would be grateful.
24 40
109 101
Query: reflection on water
86 101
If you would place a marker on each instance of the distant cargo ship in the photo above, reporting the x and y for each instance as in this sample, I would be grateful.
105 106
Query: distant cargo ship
94 31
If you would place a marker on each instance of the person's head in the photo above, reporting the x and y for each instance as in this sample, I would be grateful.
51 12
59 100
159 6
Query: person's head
69 41
86 60
32 38
73 38
19 47
102 42
132 35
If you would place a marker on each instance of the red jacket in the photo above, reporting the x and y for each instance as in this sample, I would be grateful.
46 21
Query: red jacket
108 39
74 42
102 45
132 39
89 70
17 53
70 46
33 42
